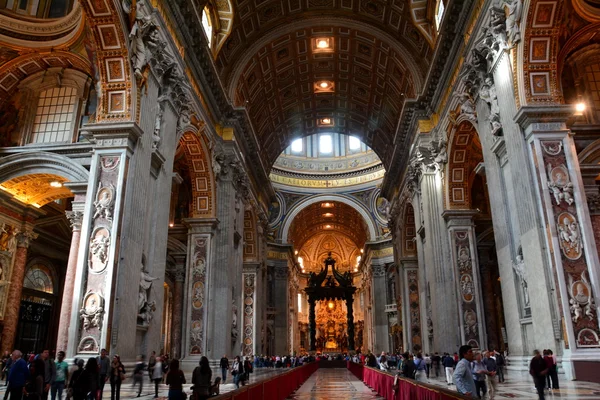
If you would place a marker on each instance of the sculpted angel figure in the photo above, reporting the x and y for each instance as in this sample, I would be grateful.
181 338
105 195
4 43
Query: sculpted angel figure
99 247
141 20
145 285
515 9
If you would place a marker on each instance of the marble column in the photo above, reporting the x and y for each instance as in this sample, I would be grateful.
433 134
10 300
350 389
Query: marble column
435 257
461 231
281 288
575 282
177 320
75 217
13 301
380 323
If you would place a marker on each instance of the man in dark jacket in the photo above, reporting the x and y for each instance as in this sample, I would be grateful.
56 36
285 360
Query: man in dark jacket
538 370
408 367
224 368
18 375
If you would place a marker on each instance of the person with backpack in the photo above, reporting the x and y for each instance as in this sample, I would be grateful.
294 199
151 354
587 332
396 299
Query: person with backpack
237 370
247 370
421 368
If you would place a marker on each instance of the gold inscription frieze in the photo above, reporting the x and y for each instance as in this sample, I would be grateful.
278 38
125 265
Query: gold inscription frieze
327 183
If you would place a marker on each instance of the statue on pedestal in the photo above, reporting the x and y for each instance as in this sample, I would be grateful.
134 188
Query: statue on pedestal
145 308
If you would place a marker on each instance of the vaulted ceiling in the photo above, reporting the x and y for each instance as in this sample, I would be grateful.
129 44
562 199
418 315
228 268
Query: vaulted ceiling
335 218
376 59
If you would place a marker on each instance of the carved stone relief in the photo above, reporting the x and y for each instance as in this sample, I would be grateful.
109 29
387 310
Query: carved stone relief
99 248
105 201
468 291
198 284
249 288
560 185
92 311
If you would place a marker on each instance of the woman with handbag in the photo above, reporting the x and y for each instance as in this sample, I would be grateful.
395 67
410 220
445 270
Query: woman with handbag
175 380
237 370
117 376
201 378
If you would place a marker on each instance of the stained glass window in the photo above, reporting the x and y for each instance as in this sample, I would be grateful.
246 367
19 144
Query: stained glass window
38 278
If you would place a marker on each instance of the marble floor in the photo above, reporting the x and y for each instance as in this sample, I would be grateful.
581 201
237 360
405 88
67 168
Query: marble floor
338 384
518 385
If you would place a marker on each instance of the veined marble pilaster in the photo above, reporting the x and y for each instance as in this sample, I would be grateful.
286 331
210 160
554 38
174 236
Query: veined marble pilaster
461 232
413 337
281 289
198 273
380 325
570 239
250 334
90 328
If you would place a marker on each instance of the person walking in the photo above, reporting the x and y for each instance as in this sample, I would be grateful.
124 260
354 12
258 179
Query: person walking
479 371
76 387
554 370
500 363
224 364
448 363
157 375
35 388
49 372
103 370
116 376
462 377
247 370
408 366
538 371
138 374
201 379
151 364
17 376
421 368
175 380
237 370
490 363
92 381
61 374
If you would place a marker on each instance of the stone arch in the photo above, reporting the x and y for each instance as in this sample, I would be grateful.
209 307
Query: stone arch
107 45
538 79
422 13
464 149
41 162
360 208
48 268
198 161
224 11
175 246
250 236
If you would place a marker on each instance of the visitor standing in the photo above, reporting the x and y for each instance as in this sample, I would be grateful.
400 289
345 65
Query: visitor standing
151 364
138 374
237 370
117 376
201 379
435 361
462 377
17 376
247 370
103 370
49 372
479 371
157 375
490 363
91 376
175 380
408 366
448 363
35 388
76 389
421 368
538 370
224 367
61 375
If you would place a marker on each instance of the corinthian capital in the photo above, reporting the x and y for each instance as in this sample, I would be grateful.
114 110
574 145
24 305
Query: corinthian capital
75 218
24 238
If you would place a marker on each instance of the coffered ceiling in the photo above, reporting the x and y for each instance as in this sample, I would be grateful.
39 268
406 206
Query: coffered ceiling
337 218
376 58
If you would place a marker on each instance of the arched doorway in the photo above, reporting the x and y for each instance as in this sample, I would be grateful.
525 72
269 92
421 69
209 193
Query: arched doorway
38 311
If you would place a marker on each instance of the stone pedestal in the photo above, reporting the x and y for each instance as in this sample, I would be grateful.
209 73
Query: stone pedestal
75 217
13 302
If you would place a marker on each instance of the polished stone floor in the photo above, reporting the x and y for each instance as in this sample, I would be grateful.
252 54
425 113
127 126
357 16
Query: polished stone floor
518 385
337 384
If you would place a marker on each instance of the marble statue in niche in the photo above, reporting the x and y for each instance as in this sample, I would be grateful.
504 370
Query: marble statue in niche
99 246
234 322
559 185
157 126
145 308
92 311
104 203
569 236
513 19
581 302
520 270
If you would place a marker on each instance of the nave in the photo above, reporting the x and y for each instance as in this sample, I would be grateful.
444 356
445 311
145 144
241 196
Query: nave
334 383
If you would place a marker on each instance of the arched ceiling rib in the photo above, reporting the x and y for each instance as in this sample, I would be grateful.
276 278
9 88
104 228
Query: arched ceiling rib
370 82
343 219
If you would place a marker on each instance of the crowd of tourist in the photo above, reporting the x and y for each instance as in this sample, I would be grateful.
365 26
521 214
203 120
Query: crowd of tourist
36 376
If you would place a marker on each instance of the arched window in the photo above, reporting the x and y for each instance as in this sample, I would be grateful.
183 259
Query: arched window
38 278
59 98
207 25
39 8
